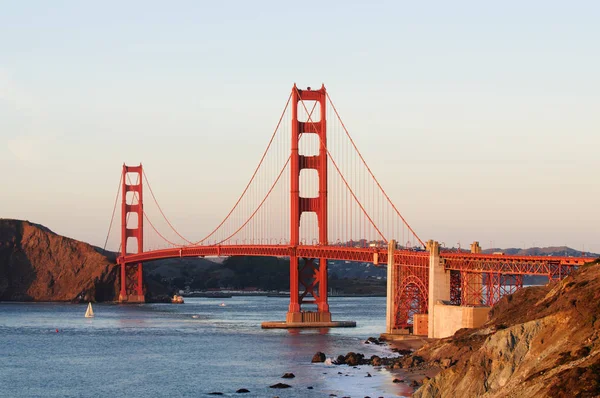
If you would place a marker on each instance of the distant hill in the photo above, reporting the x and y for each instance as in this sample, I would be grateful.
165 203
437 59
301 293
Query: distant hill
264 273
556 251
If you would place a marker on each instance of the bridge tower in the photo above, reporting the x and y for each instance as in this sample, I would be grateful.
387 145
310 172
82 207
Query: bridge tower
131 274
307 273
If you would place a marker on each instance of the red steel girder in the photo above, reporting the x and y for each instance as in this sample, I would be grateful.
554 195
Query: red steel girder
521 265
455 287
373 255
412 290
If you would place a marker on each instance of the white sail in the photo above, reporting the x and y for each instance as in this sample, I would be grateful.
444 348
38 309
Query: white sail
90 312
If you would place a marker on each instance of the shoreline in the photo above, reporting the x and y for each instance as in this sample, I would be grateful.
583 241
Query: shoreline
267 294
394 358
166 300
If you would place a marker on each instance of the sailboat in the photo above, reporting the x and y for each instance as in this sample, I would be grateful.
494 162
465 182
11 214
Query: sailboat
89 313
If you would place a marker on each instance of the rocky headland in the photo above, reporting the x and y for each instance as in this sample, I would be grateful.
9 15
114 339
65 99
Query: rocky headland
539 342
542 341
38 265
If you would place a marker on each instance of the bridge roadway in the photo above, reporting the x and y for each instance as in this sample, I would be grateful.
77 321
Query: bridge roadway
374 255
467 262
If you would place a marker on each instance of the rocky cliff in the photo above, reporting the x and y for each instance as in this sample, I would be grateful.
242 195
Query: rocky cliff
541 341
38 265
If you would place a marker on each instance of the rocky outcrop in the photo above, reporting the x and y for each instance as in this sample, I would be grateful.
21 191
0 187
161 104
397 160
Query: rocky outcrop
280 385
540 341
318 357
38 265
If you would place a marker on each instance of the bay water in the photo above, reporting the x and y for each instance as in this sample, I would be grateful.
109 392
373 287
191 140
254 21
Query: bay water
167 350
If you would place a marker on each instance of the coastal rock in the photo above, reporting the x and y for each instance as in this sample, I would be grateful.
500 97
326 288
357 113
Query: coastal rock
318 357
539 341
402 352
353 358
242 391
288 376
375 360
411 361
280 385
445 363
373 340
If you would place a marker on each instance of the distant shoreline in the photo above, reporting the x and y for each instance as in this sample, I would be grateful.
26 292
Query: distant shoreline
267 294
198 295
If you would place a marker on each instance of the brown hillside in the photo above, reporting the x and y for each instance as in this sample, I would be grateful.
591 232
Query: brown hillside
38 265
539 342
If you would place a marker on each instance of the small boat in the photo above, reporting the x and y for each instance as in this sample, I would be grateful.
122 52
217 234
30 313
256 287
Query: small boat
89 313
222 305
177 299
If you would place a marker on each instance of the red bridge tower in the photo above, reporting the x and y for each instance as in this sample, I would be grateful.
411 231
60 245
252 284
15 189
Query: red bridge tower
131 274
308 273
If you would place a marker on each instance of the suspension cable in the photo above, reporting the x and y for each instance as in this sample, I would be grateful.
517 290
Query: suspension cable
253 175
261 203
236 204
158 233
135 195
112 218
370 172
340 173
160 209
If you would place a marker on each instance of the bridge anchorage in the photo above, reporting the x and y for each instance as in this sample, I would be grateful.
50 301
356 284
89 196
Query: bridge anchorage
313 199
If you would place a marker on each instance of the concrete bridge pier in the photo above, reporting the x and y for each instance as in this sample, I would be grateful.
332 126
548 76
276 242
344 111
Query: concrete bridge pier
439 287
392 275
445 319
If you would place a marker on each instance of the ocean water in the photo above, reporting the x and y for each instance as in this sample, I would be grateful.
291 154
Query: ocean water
189 350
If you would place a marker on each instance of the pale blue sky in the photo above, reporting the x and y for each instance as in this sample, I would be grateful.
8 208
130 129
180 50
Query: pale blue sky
480 119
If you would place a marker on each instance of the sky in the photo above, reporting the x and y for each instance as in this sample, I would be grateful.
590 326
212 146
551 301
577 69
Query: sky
489 111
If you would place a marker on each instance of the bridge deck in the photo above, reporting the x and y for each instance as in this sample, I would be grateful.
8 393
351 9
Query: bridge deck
371 254
517 265
530 265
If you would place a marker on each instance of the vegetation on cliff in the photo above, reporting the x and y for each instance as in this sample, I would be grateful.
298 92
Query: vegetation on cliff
540 341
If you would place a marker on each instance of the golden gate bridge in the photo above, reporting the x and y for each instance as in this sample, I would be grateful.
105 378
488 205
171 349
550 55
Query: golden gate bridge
313 198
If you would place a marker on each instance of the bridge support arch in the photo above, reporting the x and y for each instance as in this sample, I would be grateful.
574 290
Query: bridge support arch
131 290
407 291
